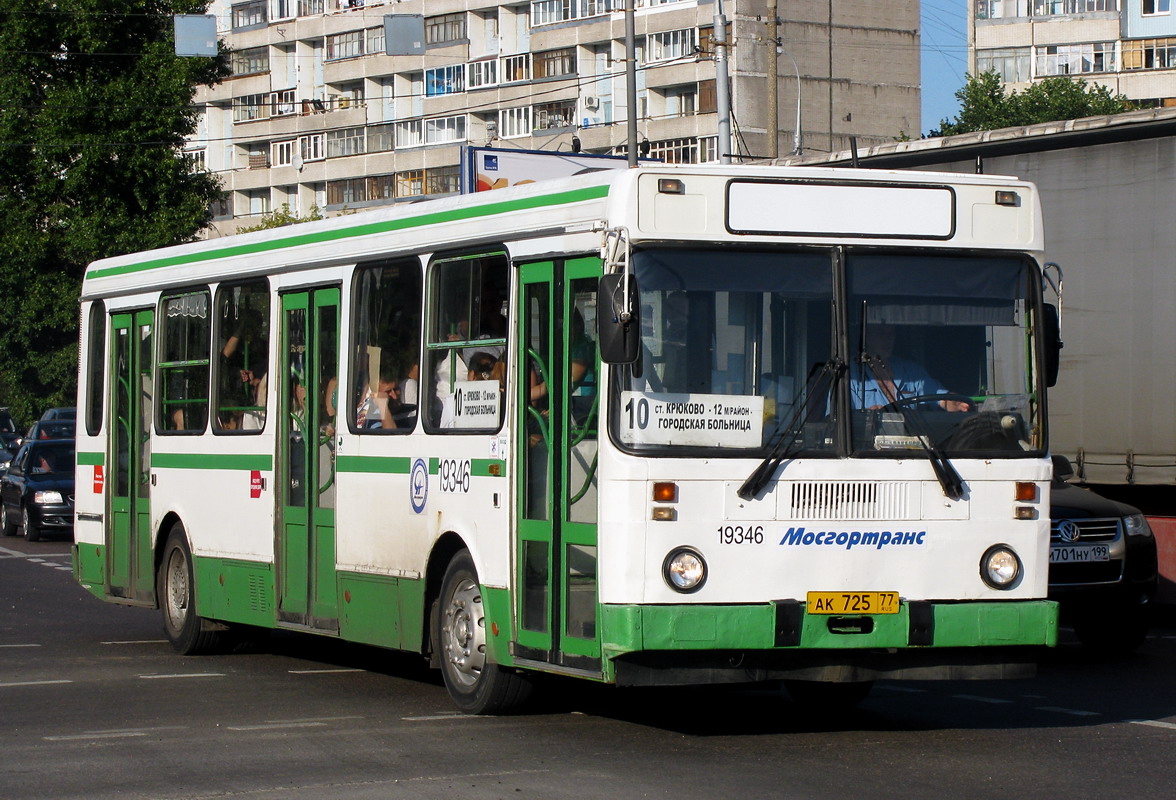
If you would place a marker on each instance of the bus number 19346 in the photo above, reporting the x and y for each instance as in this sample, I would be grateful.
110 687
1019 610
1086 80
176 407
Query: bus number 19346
737 534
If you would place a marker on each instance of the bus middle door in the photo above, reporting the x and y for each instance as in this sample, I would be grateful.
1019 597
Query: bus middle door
556 584
308 389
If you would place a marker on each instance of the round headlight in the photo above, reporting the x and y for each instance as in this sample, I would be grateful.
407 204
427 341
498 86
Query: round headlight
1000 568
1136 525
684 570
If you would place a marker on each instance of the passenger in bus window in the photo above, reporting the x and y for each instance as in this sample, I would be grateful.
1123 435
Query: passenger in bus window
377 409
892 378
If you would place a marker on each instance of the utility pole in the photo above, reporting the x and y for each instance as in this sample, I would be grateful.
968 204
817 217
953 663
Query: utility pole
631 79
722 85
773 70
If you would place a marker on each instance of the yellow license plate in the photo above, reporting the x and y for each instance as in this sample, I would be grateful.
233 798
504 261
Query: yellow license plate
853 602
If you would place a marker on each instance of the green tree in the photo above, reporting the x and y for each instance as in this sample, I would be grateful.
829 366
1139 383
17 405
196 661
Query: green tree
94 108
282 217
985 105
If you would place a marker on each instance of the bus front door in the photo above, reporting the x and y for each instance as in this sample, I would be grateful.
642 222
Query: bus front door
130 561
305 547
555 600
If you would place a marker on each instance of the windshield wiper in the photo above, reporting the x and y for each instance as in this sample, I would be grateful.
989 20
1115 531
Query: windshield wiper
787 434
945 473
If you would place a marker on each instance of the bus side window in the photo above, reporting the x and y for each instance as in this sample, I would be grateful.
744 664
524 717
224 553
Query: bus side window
468 301
184 362
242 315
385 366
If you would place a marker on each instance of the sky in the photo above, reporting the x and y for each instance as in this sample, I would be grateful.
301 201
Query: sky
944 58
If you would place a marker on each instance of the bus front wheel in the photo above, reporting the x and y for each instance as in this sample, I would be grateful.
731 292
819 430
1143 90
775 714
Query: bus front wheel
175 588
476 684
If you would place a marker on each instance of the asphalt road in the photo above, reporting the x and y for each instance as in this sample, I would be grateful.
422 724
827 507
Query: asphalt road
95 704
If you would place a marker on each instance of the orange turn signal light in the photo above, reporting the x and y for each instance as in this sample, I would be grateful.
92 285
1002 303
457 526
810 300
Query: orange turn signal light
1025 492
665 492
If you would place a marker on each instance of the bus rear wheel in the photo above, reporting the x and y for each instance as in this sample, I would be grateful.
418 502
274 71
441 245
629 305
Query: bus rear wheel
175 588
476 684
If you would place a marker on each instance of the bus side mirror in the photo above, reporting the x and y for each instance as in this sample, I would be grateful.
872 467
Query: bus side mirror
618 323
1052 334
1063 470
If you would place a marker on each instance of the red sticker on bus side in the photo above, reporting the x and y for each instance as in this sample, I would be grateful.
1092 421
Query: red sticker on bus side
255 484
99 479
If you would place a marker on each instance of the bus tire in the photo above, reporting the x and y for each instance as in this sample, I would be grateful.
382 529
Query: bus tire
175 588
476 684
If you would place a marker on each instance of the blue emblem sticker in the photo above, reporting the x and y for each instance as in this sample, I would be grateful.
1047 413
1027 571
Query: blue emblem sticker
418 485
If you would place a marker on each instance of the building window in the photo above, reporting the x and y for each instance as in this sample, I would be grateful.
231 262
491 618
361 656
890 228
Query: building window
250 107
348 190
668 45
1076 59
560 114
1149 54
1001 9
680 101
548 12
381 138
514 122
410 183
282 153
311 147
381 187
1052 8
482 73
283 103
248 15
310 8
443 180
251 61
555 63
1012 63
445 28
1151 7
344 142
676 151
417 132
344 45
196 160
445 80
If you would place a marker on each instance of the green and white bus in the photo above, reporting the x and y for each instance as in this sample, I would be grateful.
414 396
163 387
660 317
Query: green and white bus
658 426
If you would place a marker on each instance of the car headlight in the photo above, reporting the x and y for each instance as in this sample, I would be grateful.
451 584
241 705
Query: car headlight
47 497
1136 525
1000 567
684 570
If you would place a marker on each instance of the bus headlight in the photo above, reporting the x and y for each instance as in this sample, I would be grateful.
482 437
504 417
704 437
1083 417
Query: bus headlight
684 570
47 497
1136 525
1000 568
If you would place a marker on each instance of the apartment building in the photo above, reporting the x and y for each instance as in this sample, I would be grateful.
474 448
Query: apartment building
317 114
1126 45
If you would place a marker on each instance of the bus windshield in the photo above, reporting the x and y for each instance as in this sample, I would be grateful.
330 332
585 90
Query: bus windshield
736 348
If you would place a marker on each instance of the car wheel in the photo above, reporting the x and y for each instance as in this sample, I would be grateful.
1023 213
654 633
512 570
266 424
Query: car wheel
9 525
31 532
175 589
476 684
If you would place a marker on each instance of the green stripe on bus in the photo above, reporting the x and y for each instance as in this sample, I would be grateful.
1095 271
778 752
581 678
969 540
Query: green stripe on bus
385 226
263 463
95 459
392 465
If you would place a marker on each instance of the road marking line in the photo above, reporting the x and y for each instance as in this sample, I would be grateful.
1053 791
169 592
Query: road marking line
313 719
272 726
1071 711
36 561
184 675
324 671
20 645
31 683
13 553
76 736
1154 723
137 641
435 717
980 699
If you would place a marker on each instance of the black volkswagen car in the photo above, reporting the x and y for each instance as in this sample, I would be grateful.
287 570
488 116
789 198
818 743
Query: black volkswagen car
1103 567
38 489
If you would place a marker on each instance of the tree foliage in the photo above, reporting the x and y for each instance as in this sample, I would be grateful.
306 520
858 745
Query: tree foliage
985 105
281 217
94 109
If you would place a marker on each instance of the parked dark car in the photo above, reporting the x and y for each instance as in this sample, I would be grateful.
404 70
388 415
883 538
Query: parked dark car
1103 567
69 412
50 429
9 436
38 489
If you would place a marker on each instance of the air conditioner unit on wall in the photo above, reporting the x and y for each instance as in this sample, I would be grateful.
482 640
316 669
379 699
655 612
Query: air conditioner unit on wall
591 102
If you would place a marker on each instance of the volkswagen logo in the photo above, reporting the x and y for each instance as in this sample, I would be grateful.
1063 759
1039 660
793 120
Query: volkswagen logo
1068 531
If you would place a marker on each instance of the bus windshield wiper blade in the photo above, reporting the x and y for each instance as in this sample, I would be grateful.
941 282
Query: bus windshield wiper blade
945 472
786 434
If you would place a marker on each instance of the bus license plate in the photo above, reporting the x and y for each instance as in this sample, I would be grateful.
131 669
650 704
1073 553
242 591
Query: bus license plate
1079 554
852 602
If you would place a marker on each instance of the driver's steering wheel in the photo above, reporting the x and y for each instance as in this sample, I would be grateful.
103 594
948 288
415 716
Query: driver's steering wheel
925 398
